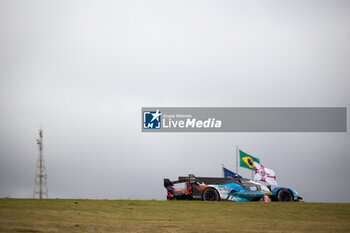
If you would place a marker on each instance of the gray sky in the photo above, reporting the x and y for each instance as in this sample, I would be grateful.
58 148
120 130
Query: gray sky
84 69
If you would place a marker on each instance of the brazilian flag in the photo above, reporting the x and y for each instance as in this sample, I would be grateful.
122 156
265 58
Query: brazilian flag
247 160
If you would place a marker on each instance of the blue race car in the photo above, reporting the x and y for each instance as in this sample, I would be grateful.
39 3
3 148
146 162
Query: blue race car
226 189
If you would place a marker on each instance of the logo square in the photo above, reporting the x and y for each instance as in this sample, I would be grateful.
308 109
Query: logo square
152 119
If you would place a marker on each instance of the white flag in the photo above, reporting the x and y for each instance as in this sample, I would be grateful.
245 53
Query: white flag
264 174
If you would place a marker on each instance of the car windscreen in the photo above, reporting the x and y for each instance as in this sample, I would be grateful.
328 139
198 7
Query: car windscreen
251 187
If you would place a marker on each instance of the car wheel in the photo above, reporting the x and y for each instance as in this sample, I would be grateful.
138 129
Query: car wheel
210 194
285 195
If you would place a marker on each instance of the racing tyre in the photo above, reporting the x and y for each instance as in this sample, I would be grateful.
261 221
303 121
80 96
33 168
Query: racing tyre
285 195
210 194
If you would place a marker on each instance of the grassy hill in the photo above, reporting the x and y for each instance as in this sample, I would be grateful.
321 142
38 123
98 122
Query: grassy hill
62 215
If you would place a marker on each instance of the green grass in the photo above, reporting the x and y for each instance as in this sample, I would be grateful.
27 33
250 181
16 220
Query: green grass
61 215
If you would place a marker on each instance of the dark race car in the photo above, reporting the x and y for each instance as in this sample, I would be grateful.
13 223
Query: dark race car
225 189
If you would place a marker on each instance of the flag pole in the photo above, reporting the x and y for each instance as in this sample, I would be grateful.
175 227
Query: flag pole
237 160
223 173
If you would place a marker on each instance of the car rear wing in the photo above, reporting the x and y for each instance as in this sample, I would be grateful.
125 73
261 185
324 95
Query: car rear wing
168 183
191 179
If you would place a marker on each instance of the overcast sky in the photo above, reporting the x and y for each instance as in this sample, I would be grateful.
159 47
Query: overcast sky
83 69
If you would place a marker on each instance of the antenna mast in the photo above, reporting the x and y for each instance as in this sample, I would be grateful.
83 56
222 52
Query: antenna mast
40 188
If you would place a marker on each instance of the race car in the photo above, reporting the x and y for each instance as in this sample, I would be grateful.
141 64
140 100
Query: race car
226 189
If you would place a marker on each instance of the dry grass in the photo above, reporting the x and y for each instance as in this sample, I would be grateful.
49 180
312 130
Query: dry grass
28 215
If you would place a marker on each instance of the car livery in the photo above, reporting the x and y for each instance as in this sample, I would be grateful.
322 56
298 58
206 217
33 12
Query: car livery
226 189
